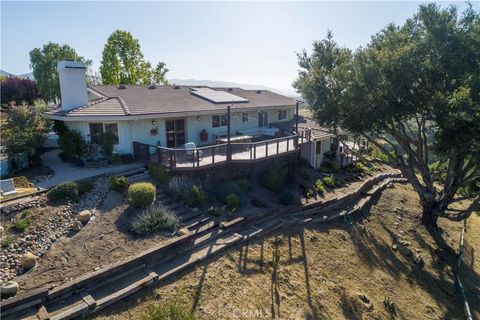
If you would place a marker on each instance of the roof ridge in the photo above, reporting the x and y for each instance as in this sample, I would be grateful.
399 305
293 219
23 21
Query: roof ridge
123 104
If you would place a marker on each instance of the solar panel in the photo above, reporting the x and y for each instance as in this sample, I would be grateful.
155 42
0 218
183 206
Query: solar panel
216 96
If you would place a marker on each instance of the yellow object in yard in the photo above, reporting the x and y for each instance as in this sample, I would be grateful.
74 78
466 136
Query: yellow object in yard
14 187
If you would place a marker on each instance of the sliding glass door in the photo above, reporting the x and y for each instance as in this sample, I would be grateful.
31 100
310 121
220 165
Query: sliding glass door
175 133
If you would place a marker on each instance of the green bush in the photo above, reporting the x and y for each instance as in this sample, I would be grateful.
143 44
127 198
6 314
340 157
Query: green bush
119 183
275 177
308 193
244 184
168 311
319 186
141 194
84 187
329 181
116 158
197 196
233 202
72 143
23 224
108 142
288 197
180 187
213 211
305 174
158 172
152 220
66 190
222 190
7 241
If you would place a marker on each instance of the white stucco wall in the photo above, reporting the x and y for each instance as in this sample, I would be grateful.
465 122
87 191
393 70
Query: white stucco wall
139 130
308 152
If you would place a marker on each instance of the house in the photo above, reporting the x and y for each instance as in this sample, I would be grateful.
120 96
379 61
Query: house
180 126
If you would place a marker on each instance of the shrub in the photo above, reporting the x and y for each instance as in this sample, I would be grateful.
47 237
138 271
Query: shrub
152 220
159 173
168 311
23 224
119 183
213 211
258 203
84 187
116 158
309 193
305 174
107 143
180 187
244 184
67 190
7 241
141 194
319 186
329 181
288 197
197 197
222 190
275 177
233 202
72 143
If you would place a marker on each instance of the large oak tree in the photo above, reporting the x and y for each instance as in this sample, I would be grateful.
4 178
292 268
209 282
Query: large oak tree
414 93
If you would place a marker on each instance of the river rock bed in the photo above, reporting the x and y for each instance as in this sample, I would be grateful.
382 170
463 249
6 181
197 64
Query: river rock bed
49 224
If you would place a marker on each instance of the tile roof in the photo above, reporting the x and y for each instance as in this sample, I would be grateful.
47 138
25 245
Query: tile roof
142 100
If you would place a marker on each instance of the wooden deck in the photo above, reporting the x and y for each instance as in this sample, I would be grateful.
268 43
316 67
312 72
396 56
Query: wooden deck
203 157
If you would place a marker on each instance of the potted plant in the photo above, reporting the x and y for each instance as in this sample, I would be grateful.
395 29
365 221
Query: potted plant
154 131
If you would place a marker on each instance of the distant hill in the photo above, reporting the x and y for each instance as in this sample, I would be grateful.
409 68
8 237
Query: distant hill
29 75
213 83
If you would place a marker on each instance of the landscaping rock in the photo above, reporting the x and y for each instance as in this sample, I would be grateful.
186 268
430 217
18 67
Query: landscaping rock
28 260
84 216
183 231
77 225
9 289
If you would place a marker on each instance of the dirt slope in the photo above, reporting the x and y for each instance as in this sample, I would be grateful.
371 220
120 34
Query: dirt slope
383 266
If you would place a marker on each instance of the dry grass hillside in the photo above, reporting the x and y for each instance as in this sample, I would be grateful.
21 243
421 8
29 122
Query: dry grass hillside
383 266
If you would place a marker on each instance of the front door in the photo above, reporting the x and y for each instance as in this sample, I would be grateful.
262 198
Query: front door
175 132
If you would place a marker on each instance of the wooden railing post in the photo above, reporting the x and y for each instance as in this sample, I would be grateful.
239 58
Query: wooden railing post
254 151
213 154
266 149
278 145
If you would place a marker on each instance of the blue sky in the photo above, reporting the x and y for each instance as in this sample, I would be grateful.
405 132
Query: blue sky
244 42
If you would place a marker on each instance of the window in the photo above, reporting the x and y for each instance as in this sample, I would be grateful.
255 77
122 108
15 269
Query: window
262 119
282 114
219 121
244 117
98 129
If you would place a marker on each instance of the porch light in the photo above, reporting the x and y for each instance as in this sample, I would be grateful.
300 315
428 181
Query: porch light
154 122
198 118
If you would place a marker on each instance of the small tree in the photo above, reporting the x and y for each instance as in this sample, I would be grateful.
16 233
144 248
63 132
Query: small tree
18 90
23 130
159 73
72 143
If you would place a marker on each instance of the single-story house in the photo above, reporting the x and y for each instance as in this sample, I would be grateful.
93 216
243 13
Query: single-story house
180 121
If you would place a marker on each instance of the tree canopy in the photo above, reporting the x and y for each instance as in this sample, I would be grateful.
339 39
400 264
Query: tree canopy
18 90
123 62
159 73
44 62
414 93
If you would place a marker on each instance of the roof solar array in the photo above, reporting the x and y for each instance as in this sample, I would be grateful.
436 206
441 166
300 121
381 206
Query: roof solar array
216 96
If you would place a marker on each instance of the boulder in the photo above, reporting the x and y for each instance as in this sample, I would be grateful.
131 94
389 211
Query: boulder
9 289
183 231
77 225
84 216
28 260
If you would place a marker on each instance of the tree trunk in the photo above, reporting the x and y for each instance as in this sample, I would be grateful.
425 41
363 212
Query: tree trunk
428 203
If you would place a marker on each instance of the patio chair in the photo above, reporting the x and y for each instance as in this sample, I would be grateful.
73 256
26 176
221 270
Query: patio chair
7 187
191 151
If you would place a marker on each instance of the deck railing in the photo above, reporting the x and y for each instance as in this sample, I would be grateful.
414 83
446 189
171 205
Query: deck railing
219 153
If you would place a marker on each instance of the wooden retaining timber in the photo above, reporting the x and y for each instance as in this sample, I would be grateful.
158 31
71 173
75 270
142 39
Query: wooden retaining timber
96 290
